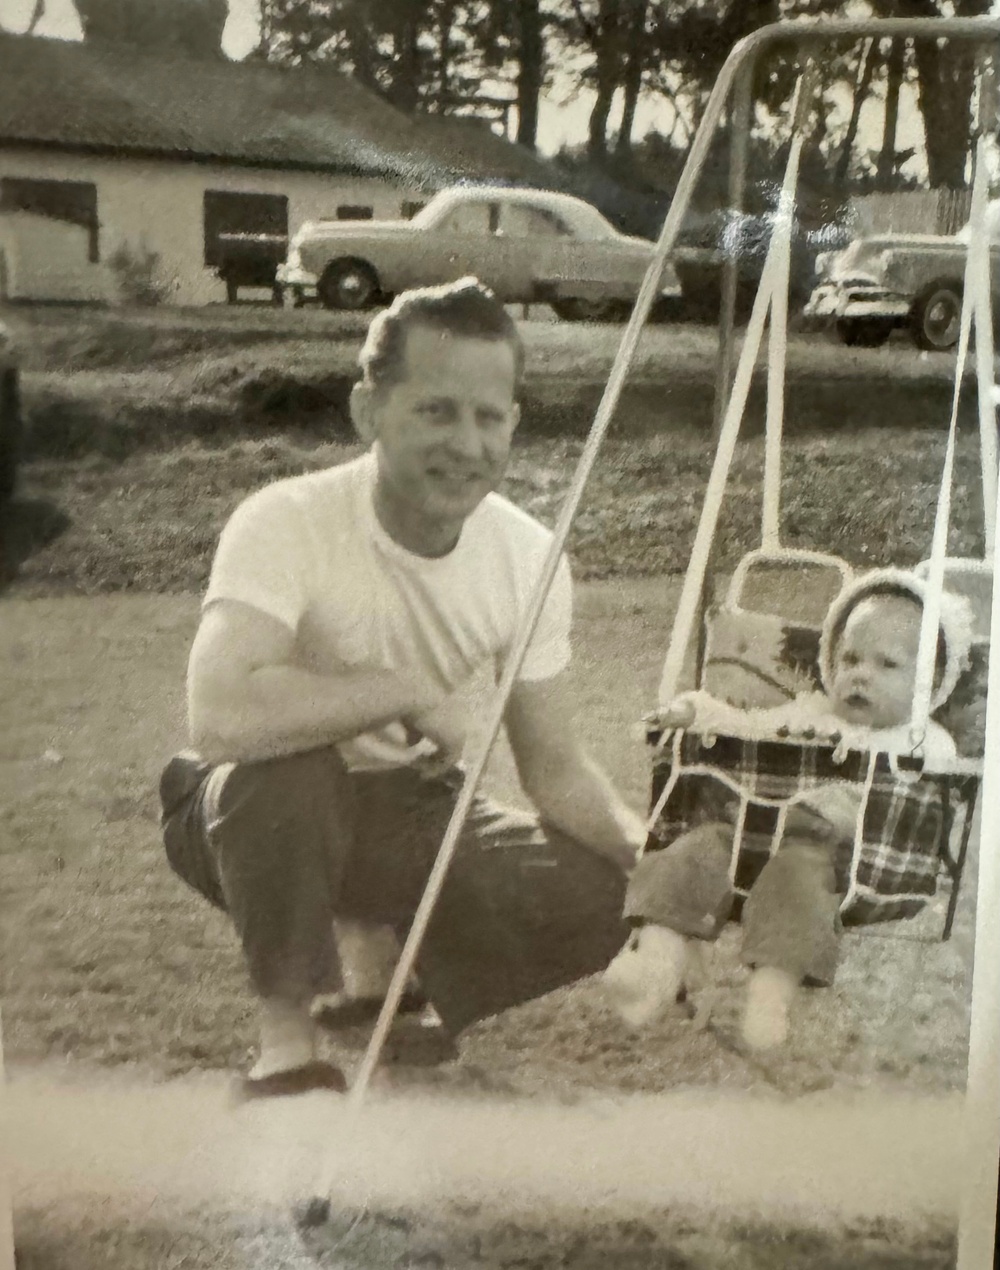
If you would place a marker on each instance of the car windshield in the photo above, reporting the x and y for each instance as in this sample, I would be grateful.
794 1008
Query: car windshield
583 220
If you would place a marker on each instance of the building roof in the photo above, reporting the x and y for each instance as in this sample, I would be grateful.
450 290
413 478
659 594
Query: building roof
112 98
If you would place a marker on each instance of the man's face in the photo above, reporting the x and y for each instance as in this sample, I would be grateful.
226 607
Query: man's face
876 662
442 430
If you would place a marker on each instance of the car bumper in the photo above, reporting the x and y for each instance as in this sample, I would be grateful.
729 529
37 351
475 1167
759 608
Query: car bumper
296 280
833 301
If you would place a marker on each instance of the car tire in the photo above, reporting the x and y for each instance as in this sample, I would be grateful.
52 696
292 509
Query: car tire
864 332
11 431
348 284
936 316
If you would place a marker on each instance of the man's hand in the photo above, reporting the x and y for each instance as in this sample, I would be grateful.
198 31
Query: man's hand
562 780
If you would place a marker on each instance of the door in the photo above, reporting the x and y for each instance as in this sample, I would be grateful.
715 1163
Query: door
534 247
463 242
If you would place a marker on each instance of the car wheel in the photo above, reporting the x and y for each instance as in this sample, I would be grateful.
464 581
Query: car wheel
937 316
576 310
348 284
864 332
11 431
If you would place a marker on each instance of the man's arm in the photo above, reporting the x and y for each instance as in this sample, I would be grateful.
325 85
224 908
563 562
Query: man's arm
246 701
566 786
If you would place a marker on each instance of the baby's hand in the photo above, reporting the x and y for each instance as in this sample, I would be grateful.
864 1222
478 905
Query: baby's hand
679 714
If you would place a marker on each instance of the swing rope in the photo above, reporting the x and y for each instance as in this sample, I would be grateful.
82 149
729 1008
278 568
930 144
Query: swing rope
774 277
976 274
777 338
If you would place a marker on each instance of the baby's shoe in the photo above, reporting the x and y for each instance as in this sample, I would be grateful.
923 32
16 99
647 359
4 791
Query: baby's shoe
644 980
769 999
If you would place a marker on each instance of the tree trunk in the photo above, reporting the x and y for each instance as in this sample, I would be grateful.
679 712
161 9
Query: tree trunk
886 167
531 70
405 90
861 89
447 22
944 96
359 39
944 89
36 16
632 78
607 74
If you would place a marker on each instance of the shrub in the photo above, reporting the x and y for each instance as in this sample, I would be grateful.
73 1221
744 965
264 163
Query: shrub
136 272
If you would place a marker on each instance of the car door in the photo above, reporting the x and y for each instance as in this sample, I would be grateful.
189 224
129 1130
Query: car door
464 242
533 248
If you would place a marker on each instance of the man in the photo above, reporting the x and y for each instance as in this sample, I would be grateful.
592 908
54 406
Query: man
346 610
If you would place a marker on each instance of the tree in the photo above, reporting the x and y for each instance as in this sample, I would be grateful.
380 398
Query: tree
894 71
945 79
531 70
191 27
635 63
37 13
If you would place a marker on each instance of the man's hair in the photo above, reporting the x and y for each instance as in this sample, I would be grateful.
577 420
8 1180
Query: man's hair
465 308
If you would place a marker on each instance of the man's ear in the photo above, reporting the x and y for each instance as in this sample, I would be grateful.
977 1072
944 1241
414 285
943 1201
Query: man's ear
362 415
516 415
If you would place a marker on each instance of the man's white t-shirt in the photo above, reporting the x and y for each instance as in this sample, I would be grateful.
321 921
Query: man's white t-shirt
310 551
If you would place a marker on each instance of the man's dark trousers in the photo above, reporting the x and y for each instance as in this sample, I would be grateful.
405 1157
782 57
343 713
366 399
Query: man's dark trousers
286 845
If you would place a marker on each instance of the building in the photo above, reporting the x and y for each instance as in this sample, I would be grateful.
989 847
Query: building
162 158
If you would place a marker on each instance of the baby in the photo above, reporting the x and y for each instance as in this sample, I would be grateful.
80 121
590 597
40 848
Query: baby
681 897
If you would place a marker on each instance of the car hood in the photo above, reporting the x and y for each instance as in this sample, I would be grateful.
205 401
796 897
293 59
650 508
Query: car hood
867 257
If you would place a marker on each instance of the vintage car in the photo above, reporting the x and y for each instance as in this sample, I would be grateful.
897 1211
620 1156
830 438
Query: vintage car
529 246
11 421
743 237
884 281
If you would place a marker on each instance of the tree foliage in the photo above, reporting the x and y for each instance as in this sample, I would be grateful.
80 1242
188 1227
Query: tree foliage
190 27
450 56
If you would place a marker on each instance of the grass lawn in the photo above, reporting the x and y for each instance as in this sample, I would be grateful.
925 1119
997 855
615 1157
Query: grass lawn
108 961
108 964
150 521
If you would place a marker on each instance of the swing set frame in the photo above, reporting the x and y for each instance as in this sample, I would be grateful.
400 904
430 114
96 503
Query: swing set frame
734 84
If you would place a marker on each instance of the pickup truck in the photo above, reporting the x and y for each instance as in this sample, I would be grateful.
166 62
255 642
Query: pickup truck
884 281
528 246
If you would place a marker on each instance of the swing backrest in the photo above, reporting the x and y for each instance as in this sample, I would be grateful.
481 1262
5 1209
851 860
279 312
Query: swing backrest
762 641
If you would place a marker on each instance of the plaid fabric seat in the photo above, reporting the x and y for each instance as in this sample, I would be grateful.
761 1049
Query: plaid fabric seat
907 827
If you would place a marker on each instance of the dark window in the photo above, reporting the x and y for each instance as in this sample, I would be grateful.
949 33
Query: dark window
351 211
72 201
228 212
410 209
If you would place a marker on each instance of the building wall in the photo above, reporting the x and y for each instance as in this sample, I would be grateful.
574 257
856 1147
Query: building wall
158 204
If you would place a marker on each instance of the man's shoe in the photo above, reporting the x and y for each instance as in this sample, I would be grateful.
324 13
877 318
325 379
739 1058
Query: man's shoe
417 1038
307 1079
341 1011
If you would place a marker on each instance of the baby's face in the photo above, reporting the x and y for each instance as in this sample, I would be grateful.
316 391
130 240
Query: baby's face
875 663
